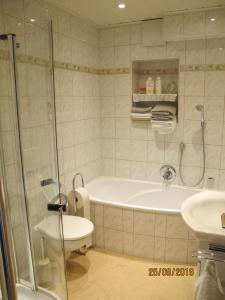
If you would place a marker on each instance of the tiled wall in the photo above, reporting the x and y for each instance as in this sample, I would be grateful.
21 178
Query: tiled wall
77 97
158 236
130 148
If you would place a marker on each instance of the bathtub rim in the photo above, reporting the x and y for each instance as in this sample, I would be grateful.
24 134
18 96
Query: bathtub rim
99 201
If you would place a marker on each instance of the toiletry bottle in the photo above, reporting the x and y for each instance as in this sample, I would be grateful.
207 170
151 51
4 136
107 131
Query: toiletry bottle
149 86
158 86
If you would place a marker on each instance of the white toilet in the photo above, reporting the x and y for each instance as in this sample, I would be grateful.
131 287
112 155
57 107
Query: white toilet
76 231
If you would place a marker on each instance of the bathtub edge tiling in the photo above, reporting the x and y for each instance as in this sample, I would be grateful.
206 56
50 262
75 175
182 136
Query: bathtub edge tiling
146 232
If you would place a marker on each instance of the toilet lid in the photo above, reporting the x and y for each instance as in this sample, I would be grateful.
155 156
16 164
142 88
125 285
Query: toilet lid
76 228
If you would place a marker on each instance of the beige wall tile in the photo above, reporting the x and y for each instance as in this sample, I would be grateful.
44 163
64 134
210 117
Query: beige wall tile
160 247
173 27
99 237
128 243
122 35
138 170
175 227
99 215
144 223
194 83
176 250
195 52
160 225
113 217
122 168
113 240
128 220
143 246
194 24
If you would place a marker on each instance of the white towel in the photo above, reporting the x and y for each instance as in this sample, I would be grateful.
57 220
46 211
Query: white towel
141 109
141 116
154 97
164 127
164 110
208 285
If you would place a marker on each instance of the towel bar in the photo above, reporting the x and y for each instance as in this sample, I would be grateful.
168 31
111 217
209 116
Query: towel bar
210 255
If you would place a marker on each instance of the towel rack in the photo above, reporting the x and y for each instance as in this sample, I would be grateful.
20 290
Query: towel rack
210 255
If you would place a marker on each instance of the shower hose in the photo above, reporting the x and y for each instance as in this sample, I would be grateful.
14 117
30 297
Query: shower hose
182 147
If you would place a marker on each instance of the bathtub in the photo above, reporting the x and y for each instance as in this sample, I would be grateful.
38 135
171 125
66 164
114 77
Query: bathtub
141 219
141 195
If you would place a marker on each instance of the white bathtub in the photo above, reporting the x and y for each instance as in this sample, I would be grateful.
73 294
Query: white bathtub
137 194
141 219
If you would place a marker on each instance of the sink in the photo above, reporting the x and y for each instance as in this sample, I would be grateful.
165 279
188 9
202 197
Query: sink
202 213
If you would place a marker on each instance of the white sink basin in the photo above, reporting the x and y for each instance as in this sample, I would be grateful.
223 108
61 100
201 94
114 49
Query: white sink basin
202 213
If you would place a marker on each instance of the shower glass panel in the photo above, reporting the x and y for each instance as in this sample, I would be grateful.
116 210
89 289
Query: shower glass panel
29 153
11 172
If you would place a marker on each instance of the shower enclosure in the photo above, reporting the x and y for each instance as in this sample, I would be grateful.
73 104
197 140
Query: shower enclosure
30 264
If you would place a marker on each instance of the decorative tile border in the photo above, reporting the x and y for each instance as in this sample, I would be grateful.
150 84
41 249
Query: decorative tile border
173 71
27 59
205 67
114 71
76 68
22 58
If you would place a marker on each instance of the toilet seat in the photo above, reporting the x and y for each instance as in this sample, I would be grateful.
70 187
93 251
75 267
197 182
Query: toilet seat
76 228
77 233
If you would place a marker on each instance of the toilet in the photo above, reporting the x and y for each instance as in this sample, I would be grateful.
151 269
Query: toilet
77 232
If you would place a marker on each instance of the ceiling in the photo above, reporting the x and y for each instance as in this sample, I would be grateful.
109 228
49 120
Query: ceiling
106 12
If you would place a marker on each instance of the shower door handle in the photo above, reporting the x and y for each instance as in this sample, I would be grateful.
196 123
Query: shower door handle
58 203
56 207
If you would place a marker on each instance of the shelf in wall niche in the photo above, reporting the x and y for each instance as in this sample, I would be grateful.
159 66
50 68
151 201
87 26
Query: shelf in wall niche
154 97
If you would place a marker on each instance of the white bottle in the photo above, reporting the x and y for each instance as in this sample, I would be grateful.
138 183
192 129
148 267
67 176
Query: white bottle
149 86
158 86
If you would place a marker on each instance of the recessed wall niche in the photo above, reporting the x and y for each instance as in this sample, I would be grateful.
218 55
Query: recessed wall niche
167 73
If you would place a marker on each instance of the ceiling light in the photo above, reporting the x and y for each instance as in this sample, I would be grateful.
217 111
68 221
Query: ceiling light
122 5
220 48
212 19
32 20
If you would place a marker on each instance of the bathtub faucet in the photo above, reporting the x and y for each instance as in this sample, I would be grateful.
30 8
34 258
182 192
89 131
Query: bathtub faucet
167 173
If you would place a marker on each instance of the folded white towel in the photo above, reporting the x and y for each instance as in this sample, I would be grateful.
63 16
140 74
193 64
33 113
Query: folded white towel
164 127
208 285
141 116
141 109
164 110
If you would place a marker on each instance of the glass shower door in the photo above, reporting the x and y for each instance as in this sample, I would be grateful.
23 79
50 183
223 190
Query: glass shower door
29 157
36 114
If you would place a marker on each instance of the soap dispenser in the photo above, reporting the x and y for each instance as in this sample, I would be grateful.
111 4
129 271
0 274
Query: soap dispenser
158 85
149 86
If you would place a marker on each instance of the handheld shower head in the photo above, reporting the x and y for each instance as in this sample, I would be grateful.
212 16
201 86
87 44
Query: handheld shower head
200 108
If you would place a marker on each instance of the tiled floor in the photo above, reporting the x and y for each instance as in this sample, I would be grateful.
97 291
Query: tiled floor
103 275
